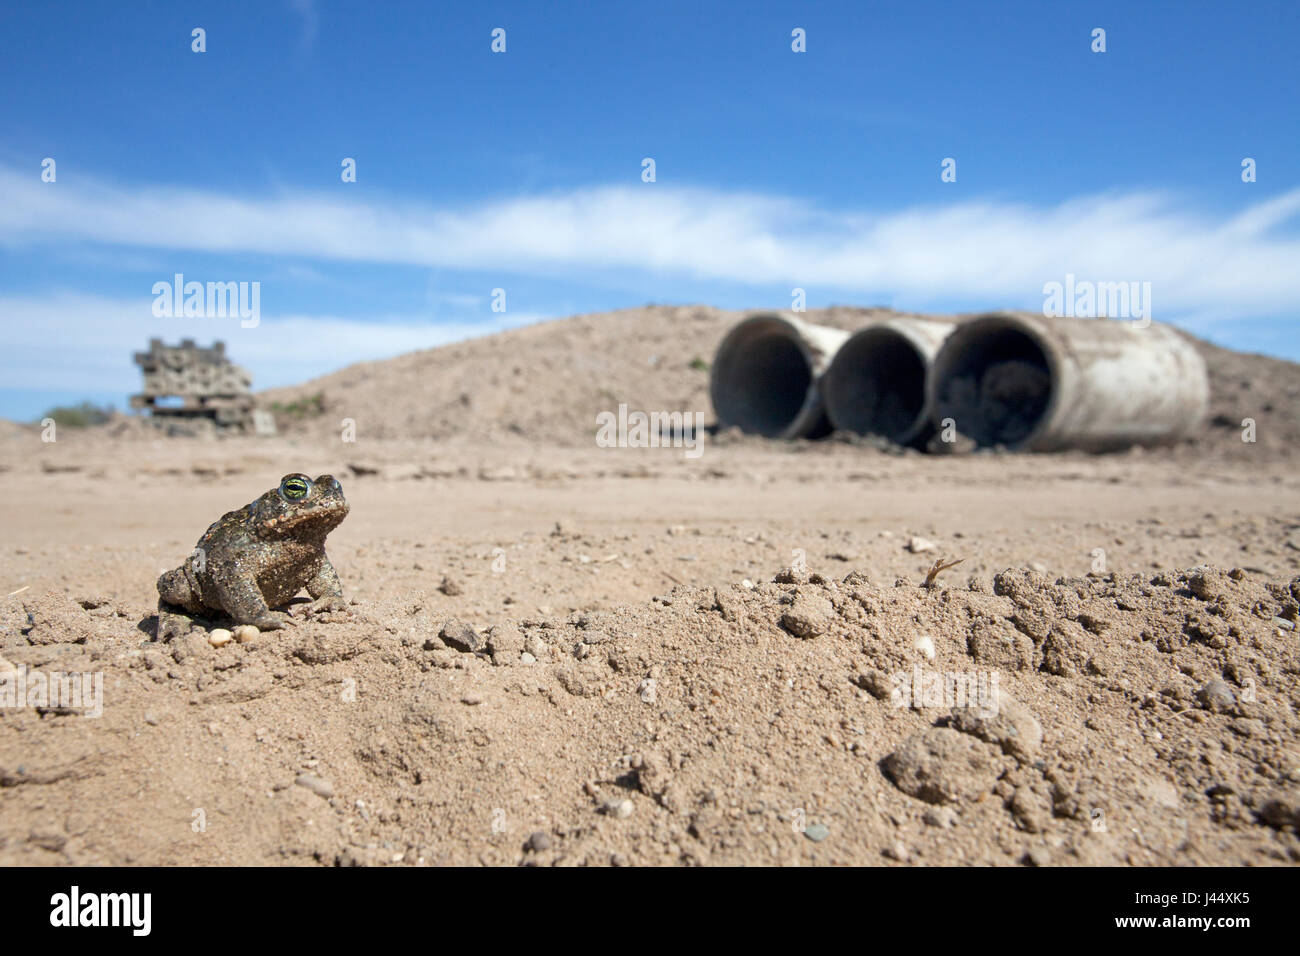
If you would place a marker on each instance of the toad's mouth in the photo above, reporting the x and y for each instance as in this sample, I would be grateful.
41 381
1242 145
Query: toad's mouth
326 515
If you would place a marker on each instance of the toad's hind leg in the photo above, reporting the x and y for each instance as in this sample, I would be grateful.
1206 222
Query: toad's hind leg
176 602
172 622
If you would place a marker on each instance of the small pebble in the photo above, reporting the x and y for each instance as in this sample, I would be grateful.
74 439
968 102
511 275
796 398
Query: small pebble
309 781
918 545
473 699
245 633
941 817
897 852
219 637
1038 856
526 658
648 691
619 809
925 647
539 841
817 832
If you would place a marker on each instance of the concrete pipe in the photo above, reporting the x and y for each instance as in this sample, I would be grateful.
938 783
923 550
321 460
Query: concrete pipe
876 383
1037 384
765 374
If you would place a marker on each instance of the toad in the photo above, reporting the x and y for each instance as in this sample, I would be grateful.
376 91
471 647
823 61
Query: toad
256 559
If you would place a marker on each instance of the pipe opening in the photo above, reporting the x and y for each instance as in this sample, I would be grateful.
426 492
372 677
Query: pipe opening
876 386
761 379
997 388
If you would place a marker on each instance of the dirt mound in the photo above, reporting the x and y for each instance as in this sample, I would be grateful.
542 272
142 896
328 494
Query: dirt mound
1142 719
1257 387
547 382
13 430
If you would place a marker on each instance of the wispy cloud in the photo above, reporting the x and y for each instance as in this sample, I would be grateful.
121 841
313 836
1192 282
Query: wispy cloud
310 19
980 250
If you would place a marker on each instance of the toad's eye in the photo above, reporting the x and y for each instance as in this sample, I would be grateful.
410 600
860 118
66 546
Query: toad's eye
295 488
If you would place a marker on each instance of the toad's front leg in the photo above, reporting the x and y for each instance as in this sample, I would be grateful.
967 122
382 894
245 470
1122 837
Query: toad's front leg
238 593
326 589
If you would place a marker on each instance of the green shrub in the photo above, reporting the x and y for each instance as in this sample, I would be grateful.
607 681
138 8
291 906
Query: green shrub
309 406
80 416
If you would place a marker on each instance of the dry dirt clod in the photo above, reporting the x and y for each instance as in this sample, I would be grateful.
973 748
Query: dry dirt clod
1281 810
1217 696
808 616
1003 722
459 635
940 765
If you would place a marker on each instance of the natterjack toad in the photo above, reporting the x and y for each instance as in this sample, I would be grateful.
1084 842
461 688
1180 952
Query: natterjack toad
258 558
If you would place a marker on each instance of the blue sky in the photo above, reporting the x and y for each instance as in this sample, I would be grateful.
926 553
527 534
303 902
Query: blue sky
522 170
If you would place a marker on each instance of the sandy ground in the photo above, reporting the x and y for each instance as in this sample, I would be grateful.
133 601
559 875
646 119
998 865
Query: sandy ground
643 684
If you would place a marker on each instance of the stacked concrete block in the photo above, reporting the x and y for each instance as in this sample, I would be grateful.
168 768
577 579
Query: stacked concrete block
187 383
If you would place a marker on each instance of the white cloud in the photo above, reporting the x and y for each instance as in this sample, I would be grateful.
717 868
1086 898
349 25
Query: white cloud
978 251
